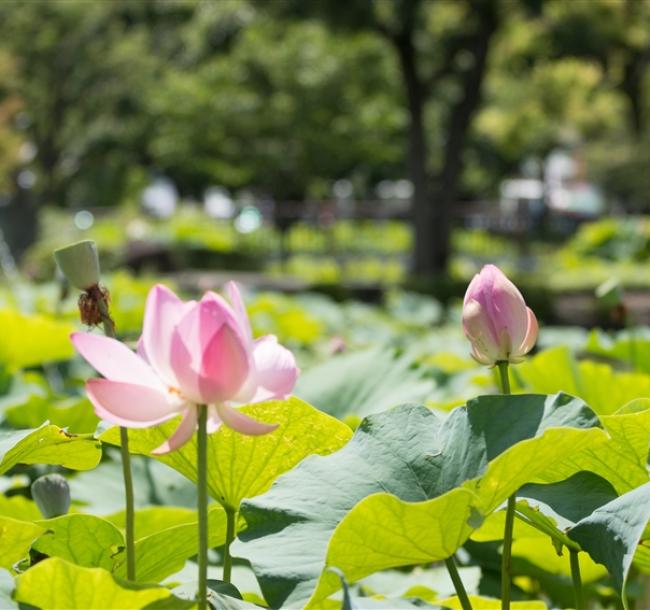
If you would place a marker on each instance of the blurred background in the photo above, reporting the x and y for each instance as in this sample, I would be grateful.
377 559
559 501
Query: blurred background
348 148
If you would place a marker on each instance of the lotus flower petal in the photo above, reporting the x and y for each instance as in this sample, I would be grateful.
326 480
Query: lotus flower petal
181 435
114 360
163 311
129 404
209 357
238 421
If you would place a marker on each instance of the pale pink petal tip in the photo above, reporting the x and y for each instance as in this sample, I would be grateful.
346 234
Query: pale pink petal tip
238 421
182 434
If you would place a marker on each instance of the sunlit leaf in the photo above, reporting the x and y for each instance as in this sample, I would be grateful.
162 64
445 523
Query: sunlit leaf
48 445
29 340
153 519
598 384
162 553
59 585
621 460
383 532
85 540
631 346
19 507
245 466
16 538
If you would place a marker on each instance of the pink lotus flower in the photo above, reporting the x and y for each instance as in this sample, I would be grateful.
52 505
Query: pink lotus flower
189 354
496 320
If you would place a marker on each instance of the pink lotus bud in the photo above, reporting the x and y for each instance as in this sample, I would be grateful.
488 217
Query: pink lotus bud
496 319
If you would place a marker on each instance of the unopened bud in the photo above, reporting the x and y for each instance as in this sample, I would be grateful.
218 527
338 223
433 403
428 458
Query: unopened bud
496 320
51 493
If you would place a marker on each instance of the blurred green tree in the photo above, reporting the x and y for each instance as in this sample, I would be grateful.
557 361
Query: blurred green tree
79 81
288 109
441 50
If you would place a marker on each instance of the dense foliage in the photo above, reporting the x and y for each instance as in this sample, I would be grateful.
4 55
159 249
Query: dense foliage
414 483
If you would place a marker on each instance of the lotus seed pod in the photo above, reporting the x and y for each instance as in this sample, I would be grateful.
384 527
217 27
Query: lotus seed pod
79 263
51 493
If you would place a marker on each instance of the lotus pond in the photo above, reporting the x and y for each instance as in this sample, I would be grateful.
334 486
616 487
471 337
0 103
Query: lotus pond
385 482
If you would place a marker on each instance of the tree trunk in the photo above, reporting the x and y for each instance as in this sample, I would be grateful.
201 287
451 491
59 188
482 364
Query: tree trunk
632 86
421 210
445 188
433 197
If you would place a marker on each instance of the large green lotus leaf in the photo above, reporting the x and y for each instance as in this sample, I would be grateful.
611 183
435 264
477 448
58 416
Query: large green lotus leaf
622 460
604 389
48 445
403 533
161 554
245 466
85 540
32 340
384 532
552 508
153 519
361 383
497 441
612 533
389 452
16 537
545 514
59 585
529 460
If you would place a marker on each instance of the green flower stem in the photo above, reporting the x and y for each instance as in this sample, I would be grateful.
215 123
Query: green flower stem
506 554
577 581
458 583
109 331
231 520
128 493
504 377
202 488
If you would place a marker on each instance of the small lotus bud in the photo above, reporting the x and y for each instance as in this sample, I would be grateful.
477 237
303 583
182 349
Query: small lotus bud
51 493
79 263
496 320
